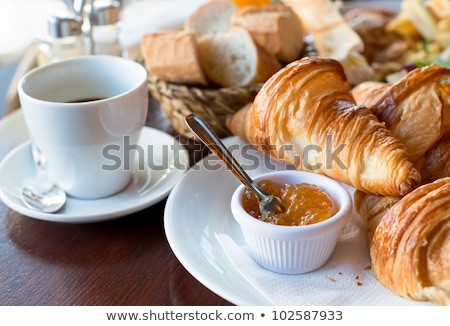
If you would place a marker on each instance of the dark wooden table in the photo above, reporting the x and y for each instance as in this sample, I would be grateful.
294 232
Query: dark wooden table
126 261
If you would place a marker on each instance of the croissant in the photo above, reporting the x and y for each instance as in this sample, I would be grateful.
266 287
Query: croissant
435 163
410 243
306 115
372 208
412 108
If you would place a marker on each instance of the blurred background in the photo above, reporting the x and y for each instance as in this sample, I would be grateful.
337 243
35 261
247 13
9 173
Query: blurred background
22 20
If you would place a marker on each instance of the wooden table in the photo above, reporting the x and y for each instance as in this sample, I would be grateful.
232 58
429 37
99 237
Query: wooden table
126 261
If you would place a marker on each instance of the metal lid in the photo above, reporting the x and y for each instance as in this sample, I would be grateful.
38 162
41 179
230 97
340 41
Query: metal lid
105 12
64 25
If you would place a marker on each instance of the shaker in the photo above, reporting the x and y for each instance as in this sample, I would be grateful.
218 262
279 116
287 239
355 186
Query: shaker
105 29
63 39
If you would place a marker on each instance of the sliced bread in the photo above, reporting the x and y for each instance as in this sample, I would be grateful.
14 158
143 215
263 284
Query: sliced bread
172 56
274 27
234 59
210 18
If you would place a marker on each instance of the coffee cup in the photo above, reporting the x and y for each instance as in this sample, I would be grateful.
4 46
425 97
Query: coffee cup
84 113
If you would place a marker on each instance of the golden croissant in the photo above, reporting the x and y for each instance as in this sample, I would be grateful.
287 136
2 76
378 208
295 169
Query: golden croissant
306 115
412 108
372 208
409 240
435 163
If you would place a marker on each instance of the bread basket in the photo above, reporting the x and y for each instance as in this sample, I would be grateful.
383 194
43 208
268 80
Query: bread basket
214 105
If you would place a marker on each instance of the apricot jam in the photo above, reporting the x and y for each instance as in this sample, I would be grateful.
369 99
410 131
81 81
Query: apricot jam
305 204
242 3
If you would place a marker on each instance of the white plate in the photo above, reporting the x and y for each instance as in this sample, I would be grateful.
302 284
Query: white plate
198 207
148 186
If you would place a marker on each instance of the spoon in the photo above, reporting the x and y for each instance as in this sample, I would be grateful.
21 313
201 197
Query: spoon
40 194
268 204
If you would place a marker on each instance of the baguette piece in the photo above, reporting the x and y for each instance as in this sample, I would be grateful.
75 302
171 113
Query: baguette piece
172 56
213 17
333 37
276 28
233 59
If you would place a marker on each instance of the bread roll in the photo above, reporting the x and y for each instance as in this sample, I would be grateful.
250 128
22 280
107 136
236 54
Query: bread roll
172 56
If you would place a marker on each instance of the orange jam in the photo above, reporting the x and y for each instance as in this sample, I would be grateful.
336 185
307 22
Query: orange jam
242 3
304 203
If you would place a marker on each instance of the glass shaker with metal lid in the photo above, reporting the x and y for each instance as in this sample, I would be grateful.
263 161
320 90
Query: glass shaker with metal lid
63 39
105 27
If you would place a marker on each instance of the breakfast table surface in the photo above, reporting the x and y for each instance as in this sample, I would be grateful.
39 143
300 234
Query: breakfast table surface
120 262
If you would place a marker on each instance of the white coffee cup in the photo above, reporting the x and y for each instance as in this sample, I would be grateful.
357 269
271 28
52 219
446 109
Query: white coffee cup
81 113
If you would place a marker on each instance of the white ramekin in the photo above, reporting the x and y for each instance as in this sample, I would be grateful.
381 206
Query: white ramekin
293 249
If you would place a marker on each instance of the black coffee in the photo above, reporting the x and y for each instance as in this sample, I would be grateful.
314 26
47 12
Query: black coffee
88 99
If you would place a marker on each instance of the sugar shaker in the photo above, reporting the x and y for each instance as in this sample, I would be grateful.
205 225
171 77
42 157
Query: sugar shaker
63 39
105 27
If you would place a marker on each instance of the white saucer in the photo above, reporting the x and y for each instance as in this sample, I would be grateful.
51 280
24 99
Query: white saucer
148 186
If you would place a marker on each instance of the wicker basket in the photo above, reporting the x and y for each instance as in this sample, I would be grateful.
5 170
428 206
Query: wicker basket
213 105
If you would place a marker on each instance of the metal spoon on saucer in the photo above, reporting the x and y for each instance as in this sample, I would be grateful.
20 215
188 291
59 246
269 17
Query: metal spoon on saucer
40 194
267 203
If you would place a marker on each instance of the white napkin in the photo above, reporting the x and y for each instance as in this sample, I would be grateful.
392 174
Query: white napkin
346 279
